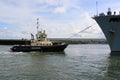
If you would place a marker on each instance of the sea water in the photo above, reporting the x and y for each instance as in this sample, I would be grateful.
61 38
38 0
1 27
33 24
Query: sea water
77 62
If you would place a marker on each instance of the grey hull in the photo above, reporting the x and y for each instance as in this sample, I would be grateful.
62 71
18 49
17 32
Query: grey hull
110 26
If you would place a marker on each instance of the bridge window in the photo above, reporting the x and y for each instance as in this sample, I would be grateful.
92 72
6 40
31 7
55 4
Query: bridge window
114 20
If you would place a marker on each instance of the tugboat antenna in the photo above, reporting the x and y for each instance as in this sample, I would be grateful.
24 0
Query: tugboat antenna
37 24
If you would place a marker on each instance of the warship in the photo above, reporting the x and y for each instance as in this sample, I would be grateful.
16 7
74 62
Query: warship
110 25
40 43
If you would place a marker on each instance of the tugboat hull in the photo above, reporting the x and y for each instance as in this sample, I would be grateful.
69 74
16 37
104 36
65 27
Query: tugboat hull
25 48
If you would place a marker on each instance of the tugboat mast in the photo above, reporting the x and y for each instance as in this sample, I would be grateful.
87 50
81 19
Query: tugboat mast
37 24
37 35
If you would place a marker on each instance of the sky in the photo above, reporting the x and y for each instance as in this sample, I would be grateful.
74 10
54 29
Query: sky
60 18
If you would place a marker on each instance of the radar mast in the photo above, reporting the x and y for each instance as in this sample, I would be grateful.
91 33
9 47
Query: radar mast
37 24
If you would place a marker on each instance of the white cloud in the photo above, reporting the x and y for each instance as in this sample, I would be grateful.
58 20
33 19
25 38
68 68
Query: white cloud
61 18
60 10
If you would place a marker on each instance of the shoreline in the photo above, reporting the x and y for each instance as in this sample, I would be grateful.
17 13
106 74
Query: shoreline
64 40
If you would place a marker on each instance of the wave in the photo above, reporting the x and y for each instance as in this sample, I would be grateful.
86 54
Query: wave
11 53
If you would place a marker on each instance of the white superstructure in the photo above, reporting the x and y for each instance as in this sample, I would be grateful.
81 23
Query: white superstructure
41 38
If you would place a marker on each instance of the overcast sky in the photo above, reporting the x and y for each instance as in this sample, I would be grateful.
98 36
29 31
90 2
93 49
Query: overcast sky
60 18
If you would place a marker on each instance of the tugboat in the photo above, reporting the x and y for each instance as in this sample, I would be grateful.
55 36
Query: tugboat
41 43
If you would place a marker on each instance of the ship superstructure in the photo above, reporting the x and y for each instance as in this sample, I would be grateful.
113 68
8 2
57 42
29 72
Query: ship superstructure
41 38
110 25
